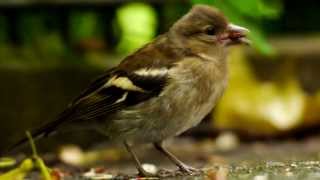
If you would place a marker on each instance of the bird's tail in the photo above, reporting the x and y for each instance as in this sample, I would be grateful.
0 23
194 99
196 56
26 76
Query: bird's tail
43 131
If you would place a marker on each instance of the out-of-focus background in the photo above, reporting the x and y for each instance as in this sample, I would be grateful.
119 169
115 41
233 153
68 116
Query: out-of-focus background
51 49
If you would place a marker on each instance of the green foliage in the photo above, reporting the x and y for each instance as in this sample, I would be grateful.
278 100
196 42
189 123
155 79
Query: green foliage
137 23
31 26
39 163
27 165
40 36
20 172
255 8
250 14
7 162
84 25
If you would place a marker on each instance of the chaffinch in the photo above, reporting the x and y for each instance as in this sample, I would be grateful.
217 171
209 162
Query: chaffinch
161 90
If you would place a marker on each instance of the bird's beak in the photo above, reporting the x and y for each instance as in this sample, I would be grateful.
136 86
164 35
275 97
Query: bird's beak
235 35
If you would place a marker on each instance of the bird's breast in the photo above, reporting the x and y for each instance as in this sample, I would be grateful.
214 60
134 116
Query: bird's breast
196 90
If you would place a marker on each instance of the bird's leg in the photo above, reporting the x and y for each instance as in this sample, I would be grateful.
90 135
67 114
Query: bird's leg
139 167
183 167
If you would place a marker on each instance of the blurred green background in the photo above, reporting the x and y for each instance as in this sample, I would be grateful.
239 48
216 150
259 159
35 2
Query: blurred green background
50 50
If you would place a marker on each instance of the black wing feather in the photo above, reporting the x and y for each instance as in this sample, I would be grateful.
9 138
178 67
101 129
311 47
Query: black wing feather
95 85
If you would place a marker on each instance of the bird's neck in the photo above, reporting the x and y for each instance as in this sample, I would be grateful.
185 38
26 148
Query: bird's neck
172 47
175 40
193 48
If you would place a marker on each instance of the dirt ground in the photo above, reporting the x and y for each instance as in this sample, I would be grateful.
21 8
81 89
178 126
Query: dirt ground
220 159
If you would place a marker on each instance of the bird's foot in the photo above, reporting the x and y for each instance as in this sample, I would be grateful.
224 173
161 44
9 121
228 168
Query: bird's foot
187 170
165 173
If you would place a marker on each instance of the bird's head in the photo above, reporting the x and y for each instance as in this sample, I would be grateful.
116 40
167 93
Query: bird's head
206 30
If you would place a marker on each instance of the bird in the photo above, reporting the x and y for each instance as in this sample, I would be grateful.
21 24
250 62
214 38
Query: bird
161 90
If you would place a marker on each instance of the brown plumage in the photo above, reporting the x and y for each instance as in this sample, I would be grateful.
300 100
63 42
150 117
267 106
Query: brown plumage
163 89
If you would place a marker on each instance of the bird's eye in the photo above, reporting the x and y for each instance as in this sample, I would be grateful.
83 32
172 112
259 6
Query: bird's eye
210 30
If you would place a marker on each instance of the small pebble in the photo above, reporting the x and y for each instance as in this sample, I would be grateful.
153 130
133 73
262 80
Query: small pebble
92 174
261 177
150 168
71 155
227 141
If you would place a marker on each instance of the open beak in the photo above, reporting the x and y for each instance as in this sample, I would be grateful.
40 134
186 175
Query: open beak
235 35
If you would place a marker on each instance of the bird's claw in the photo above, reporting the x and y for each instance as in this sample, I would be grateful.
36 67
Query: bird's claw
164 173
183 171
189 170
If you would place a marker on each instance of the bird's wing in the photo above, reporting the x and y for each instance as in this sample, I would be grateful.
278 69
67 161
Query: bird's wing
117 90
